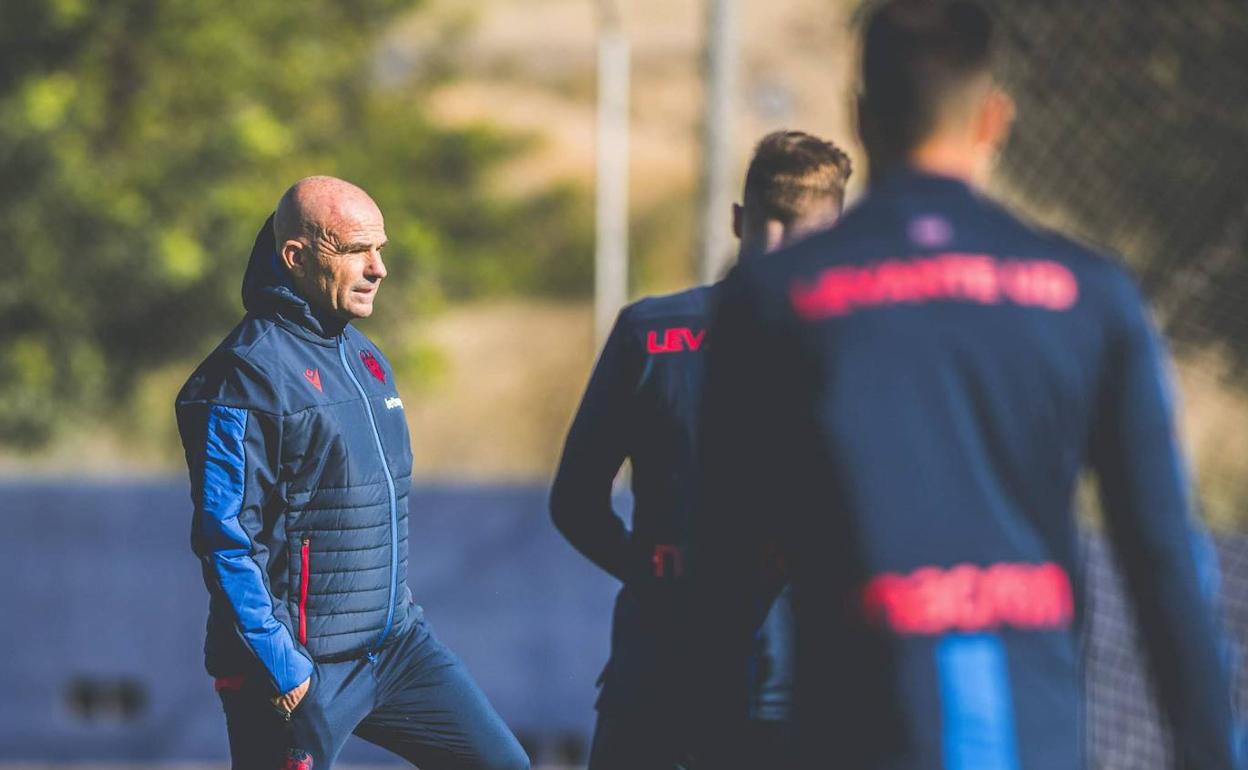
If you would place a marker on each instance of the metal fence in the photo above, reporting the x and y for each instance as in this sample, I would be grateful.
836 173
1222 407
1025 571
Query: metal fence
1126 730
1131 128
1132 120
1131 134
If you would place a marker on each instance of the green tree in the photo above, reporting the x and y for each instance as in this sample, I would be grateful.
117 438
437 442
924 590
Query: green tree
142 142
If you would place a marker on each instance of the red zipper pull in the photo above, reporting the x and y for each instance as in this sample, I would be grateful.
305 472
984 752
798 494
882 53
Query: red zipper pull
303 589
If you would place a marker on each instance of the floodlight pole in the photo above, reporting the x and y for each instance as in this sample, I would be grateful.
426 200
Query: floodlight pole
717 179
611 193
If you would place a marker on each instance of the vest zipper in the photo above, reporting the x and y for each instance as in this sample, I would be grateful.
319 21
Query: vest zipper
394 516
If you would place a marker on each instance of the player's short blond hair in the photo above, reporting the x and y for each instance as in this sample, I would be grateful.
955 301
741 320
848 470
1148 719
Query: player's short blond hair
790 171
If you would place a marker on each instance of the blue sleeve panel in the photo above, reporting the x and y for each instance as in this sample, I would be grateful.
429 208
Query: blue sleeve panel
1171 570
597 443
228 522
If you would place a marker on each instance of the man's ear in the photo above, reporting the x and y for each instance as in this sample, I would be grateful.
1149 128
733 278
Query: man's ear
738 215
294 255
996 116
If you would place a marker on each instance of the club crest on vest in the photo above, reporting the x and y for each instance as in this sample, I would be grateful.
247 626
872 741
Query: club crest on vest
373 365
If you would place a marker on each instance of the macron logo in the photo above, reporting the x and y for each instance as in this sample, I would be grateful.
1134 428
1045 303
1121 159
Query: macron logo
394 402
676 340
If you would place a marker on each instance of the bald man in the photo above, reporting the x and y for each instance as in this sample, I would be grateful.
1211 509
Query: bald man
300 463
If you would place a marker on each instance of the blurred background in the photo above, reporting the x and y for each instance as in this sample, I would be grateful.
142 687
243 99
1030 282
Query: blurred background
531 157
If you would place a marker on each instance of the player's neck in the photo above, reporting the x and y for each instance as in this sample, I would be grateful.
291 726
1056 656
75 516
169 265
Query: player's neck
760 238
950 159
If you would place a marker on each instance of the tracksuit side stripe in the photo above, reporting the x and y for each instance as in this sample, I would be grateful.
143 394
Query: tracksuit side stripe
976 703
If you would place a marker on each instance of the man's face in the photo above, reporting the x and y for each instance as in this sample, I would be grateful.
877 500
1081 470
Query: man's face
342 266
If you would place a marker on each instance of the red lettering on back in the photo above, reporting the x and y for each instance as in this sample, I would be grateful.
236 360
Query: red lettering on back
968 598
973 278
1039 284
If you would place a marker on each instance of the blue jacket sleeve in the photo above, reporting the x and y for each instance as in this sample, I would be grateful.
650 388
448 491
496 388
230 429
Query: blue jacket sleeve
596 446
233 461
1169 567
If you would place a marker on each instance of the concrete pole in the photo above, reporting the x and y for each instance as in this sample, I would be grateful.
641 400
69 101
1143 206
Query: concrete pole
718 178
611 193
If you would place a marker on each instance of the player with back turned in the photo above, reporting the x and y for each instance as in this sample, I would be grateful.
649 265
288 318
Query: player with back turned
642 403
904 403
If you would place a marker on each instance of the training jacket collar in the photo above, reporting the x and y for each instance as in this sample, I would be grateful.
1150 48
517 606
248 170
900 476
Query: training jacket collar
909 181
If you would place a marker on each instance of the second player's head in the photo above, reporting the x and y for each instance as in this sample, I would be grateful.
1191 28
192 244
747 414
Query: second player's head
928 96
795 185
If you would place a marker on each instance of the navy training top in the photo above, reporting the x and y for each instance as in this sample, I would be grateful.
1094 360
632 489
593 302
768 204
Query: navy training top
642 403
905 403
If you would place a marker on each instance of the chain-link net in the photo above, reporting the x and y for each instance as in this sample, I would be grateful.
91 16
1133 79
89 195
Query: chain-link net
1132 134
1133 118
1124 723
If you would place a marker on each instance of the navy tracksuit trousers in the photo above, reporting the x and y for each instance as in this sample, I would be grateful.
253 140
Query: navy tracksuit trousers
416 700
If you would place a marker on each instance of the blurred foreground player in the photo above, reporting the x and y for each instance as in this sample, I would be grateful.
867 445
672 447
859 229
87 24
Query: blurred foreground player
300 464
905 403
642 403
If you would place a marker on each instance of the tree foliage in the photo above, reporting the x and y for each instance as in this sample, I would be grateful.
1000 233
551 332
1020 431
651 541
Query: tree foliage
142 142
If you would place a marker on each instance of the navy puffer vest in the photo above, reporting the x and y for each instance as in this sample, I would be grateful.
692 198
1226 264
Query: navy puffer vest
300 465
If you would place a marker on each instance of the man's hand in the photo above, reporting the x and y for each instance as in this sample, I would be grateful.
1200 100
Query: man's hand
288 702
